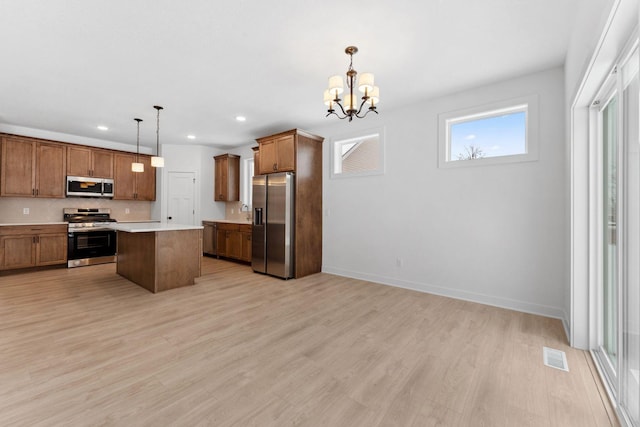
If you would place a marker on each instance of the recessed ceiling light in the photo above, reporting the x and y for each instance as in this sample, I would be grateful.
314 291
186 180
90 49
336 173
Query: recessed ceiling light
241 118
103 127
191 136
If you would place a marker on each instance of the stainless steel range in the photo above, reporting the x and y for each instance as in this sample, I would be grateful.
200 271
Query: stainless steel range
90 241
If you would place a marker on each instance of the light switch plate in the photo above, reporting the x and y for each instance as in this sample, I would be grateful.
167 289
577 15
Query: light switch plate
25 211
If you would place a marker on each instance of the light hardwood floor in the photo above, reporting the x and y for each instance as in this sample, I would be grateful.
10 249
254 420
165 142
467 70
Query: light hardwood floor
86 347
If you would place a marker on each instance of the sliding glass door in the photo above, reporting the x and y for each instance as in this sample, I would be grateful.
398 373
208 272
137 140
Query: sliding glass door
608 349
618 309
630 286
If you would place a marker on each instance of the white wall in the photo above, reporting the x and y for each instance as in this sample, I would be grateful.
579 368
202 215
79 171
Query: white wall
199 160
189 158
492 234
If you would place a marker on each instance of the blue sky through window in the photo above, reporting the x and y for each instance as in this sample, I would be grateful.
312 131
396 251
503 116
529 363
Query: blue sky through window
501 135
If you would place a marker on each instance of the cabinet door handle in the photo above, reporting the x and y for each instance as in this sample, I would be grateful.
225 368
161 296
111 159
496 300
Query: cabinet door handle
275 166
33 191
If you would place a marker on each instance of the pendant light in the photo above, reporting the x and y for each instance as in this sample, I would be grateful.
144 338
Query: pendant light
137 166
157 161
350 106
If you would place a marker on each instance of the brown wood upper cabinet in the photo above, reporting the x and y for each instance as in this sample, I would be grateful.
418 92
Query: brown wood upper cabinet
85 161
32 168
23 246
300 152
277 154
227 178
130 185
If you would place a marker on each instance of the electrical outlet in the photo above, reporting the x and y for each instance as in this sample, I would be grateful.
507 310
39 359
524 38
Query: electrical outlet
25 211
127 211
233 211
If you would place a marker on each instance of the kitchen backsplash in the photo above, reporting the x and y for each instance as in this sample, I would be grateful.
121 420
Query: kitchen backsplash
50 210
237 211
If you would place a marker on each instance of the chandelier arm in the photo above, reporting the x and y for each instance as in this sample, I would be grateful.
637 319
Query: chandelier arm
341 108
335 114
364 100
367 112
362 116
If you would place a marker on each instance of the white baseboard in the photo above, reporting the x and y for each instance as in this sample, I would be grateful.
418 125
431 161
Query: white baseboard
522 306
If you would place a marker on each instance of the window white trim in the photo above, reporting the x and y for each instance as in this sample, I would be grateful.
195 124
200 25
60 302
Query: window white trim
354 137
247 181
529 104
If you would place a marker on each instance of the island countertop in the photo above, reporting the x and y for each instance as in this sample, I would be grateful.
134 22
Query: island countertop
146 227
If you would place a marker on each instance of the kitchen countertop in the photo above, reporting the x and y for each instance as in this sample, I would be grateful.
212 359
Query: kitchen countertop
145 227
229 221
33 223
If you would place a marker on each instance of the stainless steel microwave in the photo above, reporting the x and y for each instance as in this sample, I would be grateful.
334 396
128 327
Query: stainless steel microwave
80 186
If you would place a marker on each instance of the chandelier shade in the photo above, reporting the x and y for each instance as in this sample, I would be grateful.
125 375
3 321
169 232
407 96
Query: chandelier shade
351 105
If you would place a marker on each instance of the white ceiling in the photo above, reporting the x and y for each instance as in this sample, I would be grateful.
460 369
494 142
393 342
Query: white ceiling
70 65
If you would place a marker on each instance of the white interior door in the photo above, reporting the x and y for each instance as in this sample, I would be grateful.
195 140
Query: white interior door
181 198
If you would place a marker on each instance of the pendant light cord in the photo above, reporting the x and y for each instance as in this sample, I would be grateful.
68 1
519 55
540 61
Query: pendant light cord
138 141
157 107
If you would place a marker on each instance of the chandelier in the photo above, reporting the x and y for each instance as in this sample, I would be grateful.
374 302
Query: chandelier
350 106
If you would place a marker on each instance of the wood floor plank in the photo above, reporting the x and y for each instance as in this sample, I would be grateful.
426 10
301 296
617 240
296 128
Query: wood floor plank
85 346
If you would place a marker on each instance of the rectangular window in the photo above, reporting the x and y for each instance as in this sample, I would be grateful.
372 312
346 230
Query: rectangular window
247 181
502 132
358 154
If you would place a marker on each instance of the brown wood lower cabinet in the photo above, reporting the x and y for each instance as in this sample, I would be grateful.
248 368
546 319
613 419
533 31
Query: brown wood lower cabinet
160 260
24 246
229 240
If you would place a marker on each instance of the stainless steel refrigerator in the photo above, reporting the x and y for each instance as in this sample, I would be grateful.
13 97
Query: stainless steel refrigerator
272 238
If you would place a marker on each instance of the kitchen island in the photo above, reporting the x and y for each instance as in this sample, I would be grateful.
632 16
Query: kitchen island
159 256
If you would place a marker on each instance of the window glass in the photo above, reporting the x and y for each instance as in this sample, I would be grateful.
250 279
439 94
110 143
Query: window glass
247 178
501 132
494 136
359 155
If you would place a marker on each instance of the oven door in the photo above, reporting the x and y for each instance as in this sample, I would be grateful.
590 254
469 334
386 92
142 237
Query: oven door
91 243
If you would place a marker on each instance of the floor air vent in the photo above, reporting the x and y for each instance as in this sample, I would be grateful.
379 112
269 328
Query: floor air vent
555 358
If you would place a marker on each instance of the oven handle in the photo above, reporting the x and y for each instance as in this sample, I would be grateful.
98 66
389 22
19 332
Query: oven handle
90 229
